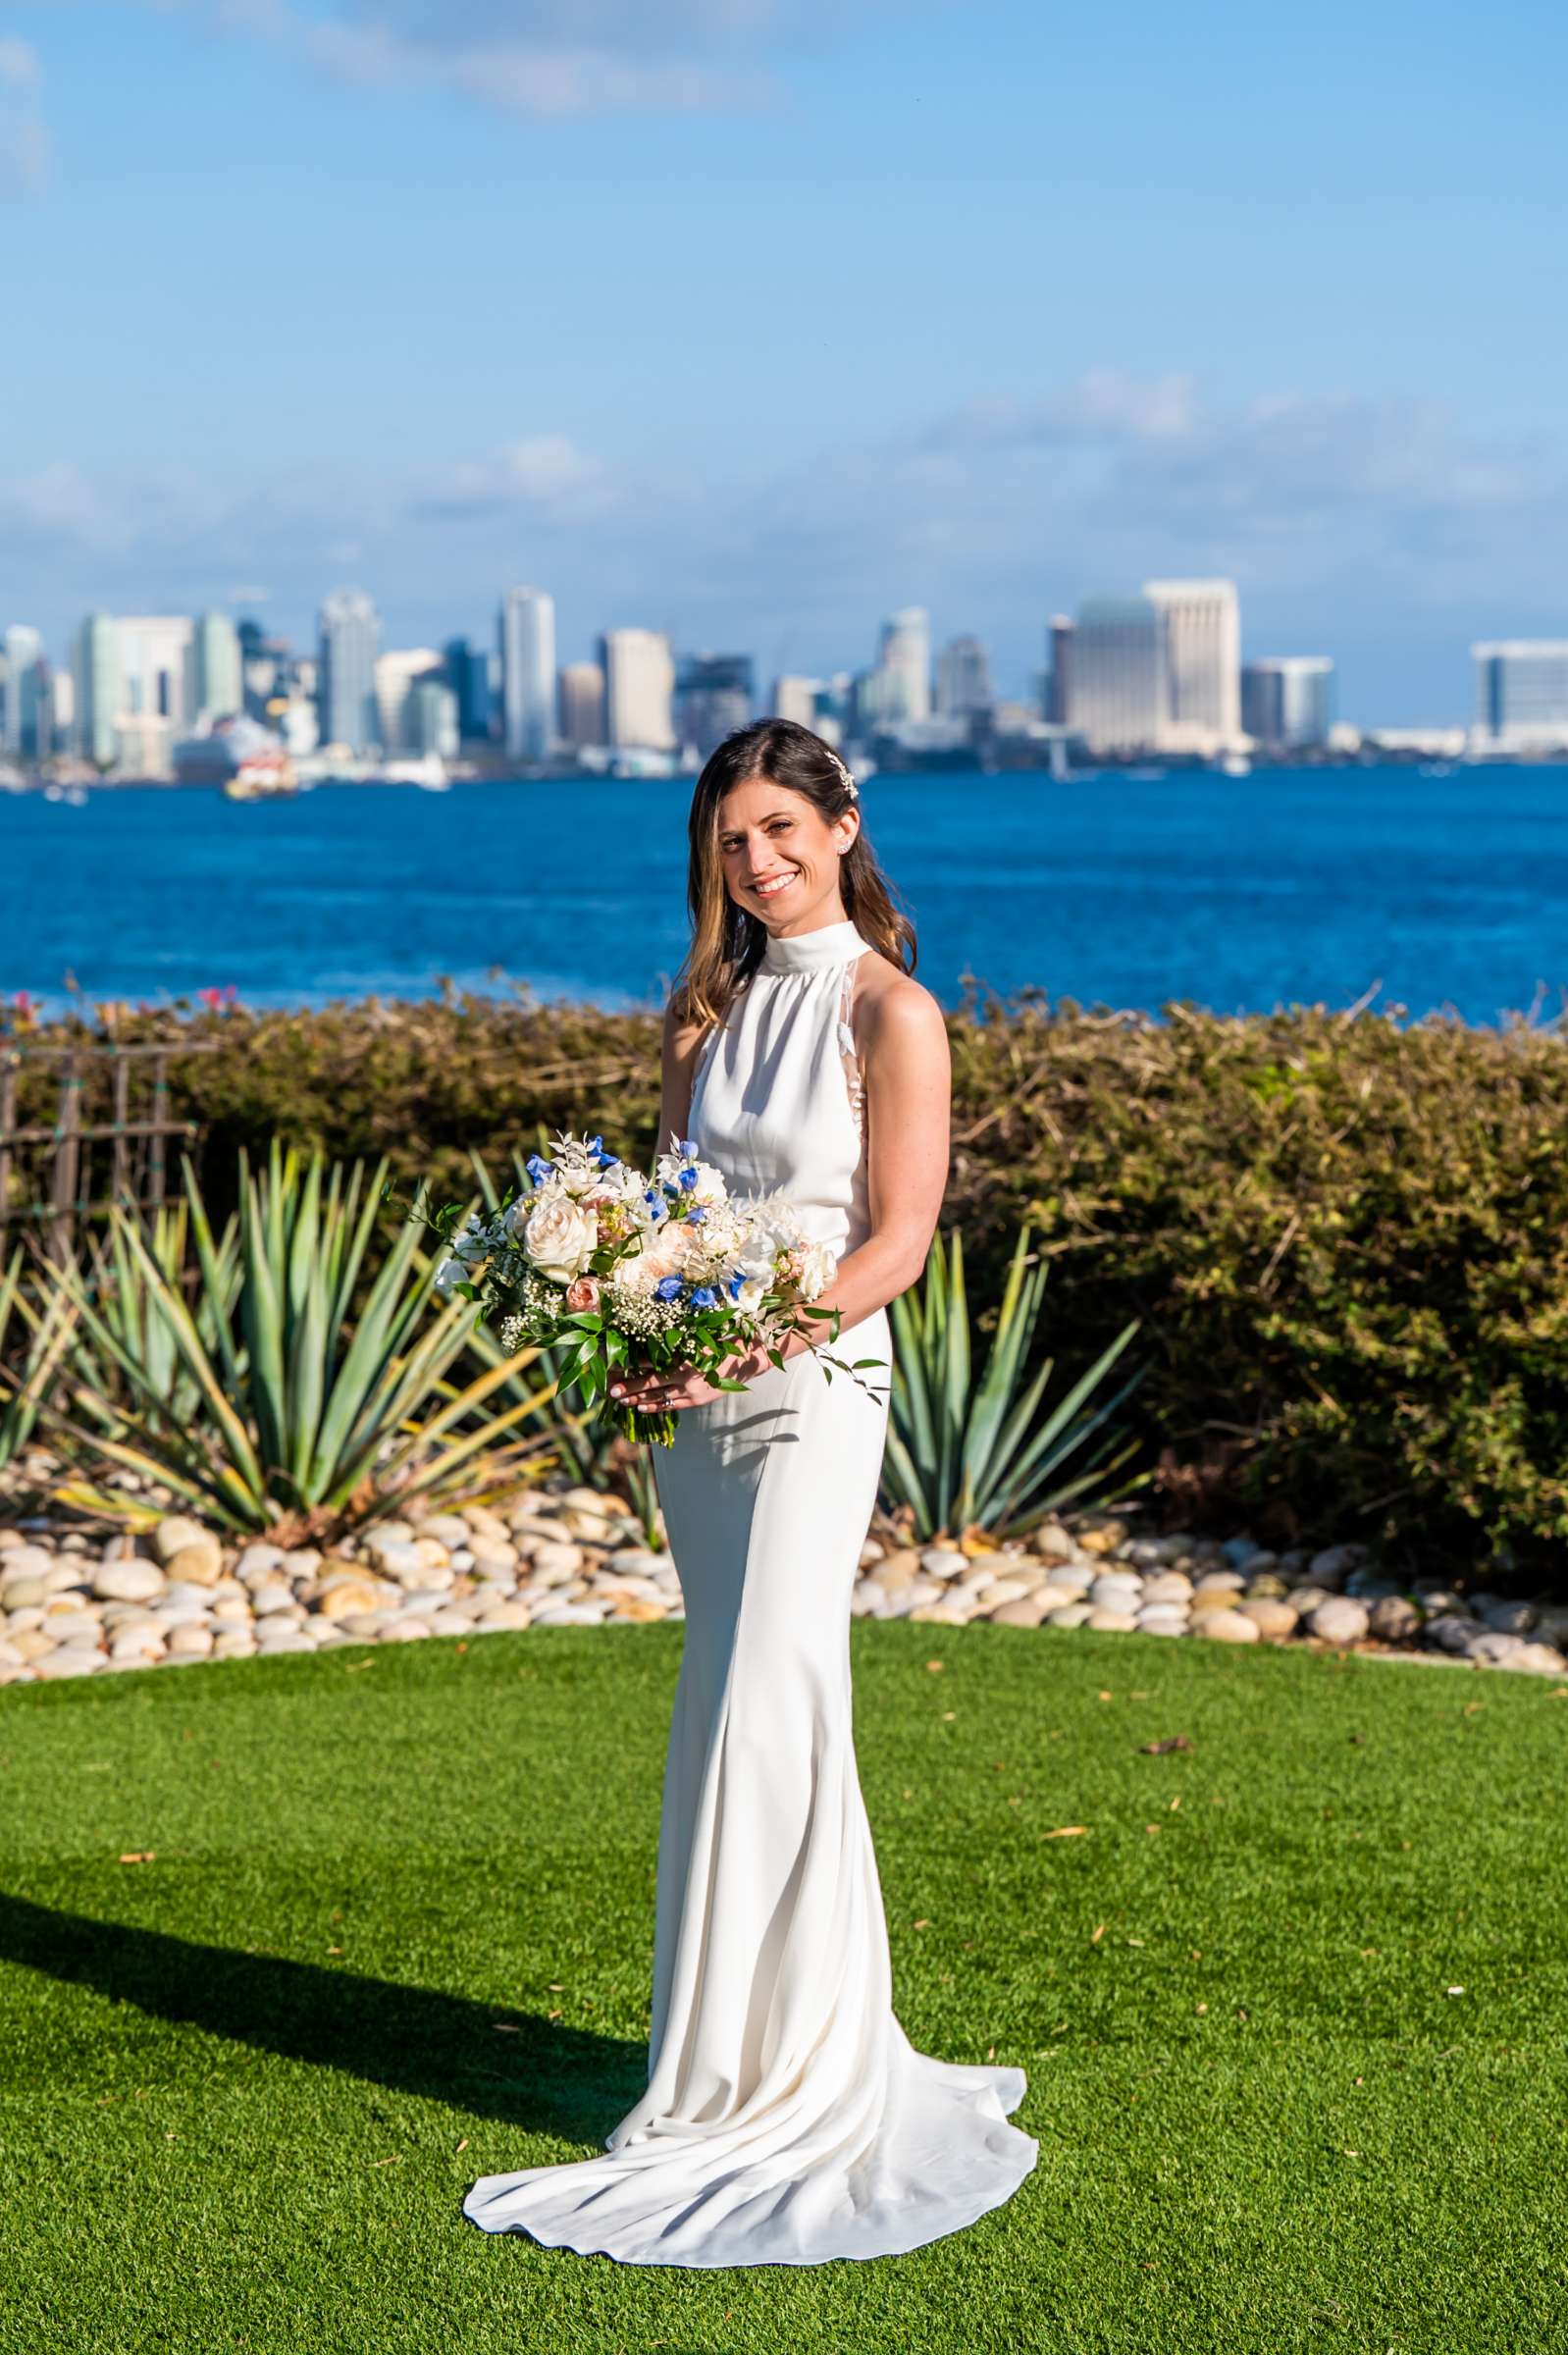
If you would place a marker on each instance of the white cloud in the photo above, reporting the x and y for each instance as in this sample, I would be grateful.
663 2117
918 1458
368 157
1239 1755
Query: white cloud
1346 523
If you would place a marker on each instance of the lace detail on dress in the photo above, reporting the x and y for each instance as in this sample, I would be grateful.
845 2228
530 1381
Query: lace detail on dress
852 1076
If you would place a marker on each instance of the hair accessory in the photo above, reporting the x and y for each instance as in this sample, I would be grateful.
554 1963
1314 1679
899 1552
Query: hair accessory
850 786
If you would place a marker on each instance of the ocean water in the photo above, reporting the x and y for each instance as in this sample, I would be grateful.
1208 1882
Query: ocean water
1238 894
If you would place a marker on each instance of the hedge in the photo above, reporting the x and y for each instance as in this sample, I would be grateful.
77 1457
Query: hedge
1346 1235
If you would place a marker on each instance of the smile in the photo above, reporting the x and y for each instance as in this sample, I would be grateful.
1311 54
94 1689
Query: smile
774 883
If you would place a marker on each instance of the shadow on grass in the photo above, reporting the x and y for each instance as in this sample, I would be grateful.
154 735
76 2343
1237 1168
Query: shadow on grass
514 2065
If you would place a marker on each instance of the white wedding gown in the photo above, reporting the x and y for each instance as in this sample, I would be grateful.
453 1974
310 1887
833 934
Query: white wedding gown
787 2120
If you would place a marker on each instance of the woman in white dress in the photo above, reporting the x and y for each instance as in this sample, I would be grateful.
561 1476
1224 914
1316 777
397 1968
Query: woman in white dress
787 2119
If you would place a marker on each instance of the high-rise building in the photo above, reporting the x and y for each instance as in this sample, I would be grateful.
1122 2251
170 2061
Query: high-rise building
25 672
350 640
1203 663
962 680
1522 689
1117 688
582 705
904 659
398 673
527 640
1287 702
1058 670
430 723
217 686
98 684
796 697
468 677
713 697
638 687
155 668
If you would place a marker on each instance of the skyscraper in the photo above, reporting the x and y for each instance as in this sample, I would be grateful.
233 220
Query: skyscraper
794 698
98 687
526 632
1203 663
468 677
350 640
398 673
639 683
962 680
1522 689
1059 675
24 658
155 666
582 705
217 688
1288 700
904 659
713 697
1117 688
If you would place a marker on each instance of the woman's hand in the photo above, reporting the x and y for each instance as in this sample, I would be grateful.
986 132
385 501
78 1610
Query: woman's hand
678 1386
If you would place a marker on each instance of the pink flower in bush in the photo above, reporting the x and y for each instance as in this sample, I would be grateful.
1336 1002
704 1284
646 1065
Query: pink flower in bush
583 1293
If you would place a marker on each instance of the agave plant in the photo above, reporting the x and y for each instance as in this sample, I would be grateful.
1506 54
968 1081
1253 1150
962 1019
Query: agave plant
964 1454
32 1344
311 1409
134 1314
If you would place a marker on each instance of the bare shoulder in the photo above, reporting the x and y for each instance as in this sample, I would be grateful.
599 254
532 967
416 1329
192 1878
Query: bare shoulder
682 1035
898 1012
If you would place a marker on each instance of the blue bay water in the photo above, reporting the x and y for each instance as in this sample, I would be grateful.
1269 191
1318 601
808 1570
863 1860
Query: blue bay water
1238 894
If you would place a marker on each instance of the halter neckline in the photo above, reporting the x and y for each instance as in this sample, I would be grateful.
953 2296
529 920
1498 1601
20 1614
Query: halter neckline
811 952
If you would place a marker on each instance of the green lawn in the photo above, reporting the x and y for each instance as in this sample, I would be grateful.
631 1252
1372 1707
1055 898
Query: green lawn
402 1898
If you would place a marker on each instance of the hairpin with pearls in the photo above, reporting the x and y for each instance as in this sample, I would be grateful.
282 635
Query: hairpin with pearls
845 779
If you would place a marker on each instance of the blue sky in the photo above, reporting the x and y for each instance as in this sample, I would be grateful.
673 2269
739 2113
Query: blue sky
752 319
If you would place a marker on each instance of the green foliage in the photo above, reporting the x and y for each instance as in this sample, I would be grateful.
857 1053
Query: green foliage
310 1402
32 1347
1346 1237
966 1453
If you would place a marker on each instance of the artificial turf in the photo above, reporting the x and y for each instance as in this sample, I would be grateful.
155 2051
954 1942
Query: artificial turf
1294 2004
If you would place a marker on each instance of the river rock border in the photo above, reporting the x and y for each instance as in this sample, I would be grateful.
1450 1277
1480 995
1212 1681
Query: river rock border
72 1603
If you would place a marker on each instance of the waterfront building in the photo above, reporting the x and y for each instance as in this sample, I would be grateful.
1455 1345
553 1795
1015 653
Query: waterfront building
1058 671
431 724
1118 697
1522 691
96 679
904 667
350 643
582 705
962 680
398 672
25 673
1287 702
526 635
639 691
713 697
468 677
1202 664
217 684
796 697
155 666
144 743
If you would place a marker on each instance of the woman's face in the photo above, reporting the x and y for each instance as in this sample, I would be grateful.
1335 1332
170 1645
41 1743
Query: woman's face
780 855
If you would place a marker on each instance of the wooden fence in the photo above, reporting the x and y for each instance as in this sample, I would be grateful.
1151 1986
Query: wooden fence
109 1141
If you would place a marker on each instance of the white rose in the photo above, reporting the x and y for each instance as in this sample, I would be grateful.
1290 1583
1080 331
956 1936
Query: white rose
560 1239
817 1266
451 1272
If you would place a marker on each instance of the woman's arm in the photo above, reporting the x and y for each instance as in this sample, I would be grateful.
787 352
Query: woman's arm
908 1093
678 1055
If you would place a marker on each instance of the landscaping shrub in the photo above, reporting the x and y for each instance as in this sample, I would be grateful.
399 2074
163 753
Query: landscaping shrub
1346 1237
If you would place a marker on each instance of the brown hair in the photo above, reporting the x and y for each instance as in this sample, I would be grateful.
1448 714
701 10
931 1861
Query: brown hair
727 940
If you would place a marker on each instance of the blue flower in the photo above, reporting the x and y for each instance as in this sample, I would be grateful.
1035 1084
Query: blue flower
735 1284
539 1168
668 1288
689 1148
687 1177
696 1215
704 1296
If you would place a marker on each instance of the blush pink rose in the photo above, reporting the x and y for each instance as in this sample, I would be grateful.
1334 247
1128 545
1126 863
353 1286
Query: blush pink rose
583 1293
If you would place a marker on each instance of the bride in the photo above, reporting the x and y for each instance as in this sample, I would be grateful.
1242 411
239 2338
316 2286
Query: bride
787 2120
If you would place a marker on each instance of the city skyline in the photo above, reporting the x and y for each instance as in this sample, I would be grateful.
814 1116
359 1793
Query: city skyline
1239 297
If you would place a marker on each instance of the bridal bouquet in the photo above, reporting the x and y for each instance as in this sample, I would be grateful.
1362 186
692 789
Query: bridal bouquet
628 1271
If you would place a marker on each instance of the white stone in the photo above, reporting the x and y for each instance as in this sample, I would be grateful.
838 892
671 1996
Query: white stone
1339 1619
1225 1627
1111 1621
68 1660
258 1560
944 1561
1068 1614
191 1642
